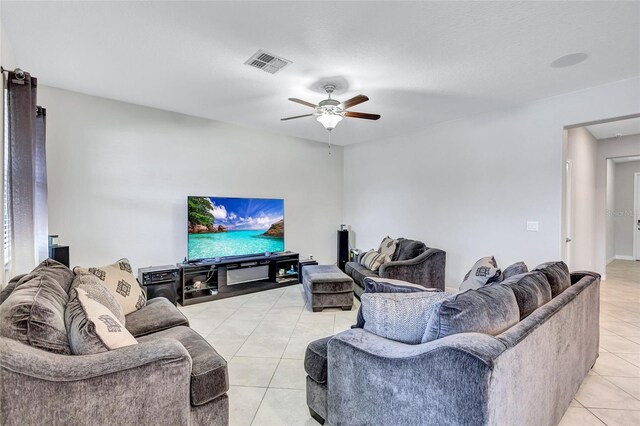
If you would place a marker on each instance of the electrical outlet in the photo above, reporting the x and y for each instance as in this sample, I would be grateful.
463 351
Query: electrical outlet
533 226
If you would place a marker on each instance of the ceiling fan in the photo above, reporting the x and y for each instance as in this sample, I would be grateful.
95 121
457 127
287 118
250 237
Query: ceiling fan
330 112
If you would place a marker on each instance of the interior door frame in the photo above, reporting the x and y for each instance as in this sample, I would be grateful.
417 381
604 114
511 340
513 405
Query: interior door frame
568 172
636 215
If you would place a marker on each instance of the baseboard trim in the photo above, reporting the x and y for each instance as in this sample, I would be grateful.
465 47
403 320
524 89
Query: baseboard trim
624 257
611 259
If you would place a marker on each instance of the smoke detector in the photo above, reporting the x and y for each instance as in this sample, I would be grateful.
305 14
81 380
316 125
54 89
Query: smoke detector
267 62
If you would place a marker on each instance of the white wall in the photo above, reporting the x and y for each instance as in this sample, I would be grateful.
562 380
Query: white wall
119 175
469 186
610 210
625 146
624 208
582 153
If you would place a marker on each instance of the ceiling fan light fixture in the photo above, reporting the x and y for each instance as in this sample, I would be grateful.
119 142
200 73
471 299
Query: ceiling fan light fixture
329 120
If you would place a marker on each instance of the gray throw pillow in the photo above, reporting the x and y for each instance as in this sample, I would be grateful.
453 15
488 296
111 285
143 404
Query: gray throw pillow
484 271
386 285
408 249
531 289
513 270
557 274
34 314
402 317
490 310
94 319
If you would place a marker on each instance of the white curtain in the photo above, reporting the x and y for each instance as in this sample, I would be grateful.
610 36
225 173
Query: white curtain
25 177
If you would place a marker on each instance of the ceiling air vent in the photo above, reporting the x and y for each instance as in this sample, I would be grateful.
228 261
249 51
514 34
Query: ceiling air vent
267 62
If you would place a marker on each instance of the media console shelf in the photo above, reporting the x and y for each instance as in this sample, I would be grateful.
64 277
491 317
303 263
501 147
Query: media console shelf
212 280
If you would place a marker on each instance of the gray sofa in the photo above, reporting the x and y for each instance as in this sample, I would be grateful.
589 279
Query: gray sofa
412 261
526 375
171 377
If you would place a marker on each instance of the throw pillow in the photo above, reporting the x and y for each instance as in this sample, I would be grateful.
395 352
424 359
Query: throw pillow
34 314
489 310
388 246
372 260
484 271
387 285
557 274
119 279
402 317
93 327
513 270
408 249
531 289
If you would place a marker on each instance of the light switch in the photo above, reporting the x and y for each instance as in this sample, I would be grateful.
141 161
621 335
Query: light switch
532 226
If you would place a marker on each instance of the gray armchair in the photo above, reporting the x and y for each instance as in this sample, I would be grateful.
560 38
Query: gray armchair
413 261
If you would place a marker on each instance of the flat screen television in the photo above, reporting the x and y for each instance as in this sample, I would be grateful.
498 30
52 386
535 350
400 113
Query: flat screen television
223 227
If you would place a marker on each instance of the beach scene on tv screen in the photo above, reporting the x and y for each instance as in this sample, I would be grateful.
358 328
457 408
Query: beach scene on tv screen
220 227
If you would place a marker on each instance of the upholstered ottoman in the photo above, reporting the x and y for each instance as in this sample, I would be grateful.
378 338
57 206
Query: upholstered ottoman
326 286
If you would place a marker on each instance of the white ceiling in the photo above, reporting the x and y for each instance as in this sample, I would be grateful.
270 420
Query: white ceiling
615 128
420 63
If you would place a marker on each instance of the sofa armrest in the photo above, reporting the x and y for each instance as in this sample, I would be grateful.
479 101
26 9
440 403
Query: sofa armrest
148 382
426 269
440 382
578 275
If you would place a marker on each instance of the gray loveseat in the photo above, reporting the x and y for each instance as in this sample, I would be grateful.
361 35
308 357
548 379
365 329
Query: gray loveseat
525 375
171 377
412 261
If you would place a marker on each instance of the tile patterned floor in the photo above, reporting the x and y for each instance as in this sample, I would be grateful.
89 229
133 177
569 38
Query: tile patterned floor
264 336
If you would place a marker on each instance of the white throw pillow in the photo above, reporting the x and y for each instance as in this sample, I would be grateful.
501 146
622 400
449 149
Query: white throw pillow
119 280
373 260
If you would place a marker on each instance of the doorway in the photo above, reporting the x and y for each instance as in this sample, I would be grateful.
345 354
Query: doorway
636 219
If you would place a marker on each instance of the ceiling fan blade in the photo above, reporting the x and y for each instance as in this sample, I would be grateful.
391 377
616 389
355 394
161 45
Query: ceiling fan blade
297 116
300 101
354 101
361 115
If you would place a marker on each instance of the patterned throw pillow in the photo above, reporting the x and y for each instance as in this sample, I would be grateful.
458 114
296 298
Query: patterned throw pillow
119 279
402 317
373 260
93 327
484 271
387 285
388 246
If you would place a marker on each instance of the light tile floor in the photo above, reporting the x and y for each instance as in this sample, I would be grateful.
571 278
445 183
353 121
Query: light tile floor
264 337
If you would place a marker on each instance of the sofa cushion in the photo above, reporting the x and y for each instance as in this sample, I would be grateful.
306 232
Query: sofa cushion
94 327
513 270
315 359
483 272
358 273
157 315
557 274
408 249
119 279
388 246
209 377
11 285
53 269
489 310
372 260
532 290
387 285
402 317
34 314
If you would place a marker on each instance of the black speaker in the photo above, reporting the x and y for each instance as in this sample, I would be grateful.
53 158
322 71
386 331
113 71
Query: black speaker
60 254
167 289
343 248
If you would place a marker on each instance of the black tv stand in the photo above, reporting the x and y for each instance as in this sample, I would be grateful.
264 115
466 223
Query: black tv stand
213 279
